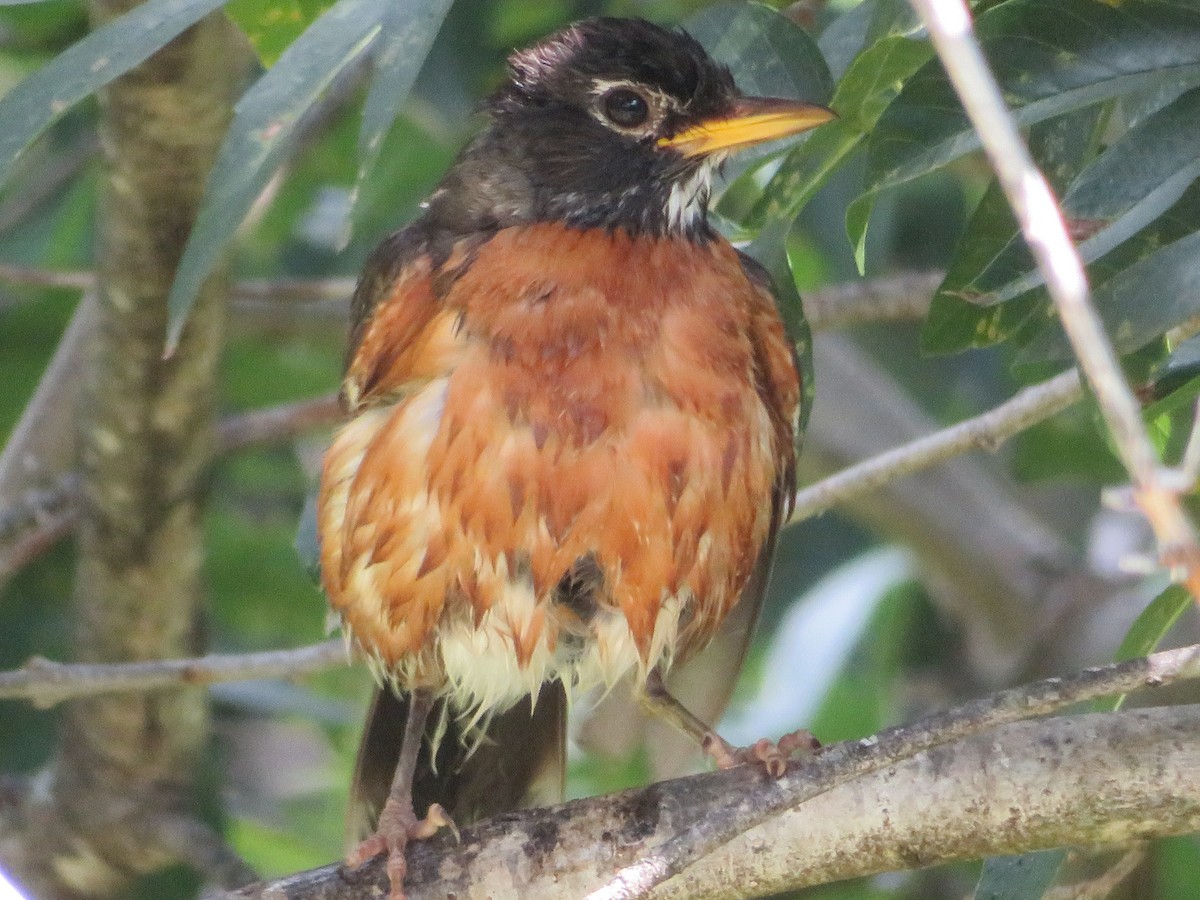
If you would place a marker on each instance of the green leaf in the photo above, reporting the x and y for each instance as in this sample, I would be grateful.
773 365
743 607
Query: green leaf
862 26
1050 59
869 84
409 27
308 539
956 320
1169 279
1023 877
265 120
1147 632
273 25
768 53
1126 188
85 67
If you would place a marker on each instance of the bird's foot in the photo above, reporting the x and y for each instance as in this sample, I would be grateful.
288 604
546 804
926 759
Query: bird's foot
773 756
397 826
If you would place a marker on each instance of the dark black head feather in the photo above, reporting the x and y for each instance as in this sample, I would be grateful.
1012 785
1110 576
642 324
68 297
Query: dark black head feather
573 135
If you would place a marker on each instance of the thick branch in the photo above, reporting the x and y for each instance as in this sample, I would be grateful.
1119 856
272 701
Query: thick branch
1093 780
843 762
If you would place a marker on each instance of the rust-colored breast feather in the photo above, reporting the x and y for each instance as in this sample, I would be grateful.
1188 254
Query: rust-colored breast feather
563 464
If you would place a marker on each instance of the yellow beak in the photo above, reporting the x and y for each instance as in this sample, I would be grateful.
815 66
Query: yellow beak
752 121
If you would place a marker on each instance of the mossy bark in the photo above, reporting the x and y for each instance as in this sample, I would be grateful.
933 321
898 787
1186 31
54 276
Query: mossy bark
122 783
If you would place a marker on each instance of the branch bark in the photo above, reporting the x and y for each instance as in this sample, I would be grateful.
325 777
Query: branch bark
1087 780
146 434
844 762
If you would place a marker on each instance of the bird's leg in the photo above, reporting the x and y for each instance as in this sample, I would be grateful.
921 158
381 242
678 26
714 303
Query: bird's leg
773 756
398 823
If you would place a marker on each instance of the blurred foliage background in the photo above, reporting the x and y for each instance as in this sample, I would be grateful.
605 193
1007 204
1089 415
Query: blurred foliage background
868 623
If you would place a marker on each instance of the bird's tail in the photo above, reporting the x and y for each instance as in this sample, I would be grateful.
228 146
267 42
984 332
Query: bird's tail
517 760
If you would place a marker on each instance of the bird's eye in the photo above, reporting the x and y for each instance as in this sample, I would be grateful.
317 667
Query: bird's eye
626 108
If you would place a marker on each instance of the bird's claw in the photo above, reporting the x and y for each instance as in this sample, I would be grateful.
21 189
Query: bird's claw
396 828
773 756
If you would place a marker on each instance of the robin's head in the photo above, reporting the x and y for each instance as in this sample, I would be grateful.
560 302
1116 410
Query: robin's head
611 123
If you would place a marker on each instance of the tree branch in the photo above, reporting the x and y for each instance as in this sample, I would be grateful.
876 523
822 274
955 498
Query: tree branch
145 434
46 683
984 432
843 762
42 518
1094 779
1045 233
277 424
886 299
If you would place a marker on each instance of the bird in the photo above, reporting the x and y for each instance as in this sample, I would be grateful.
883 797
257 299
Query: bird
572 412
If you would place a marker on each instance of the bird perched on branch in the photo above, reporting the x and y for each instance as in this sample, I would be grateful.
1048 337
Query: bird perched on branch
573 409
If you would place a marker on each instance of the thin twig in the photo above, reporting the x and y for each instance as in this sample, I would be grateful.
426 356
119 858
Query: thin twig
1045 232
40 540
852 759
44 517
31 276
277 423
889 298
275 290
984 432
903 297
294 290
39 508
46 683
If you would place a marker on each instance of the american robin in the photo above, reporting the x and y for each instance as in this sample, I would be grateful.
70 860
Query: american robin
573 408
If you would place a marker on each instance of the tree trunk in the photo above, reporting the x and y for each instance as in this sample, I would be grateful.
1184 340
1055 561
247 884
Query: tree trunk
123 779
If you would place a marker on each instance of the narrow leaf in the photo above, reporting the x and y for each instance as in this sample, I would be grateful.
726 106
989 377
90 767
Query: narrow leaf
272 25
956 319
1147 632
408 30
1047 64
1141 303
1126 188
769 249
768 54
83 68
869 84
1023 877
265 120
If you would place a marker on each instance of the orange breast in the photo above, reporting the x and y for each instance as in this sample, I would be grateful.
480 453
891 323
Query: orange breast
584 406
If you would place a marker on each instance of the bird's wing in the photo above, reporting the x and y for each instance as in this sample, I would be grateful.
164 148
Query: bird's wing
777 382
400 324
